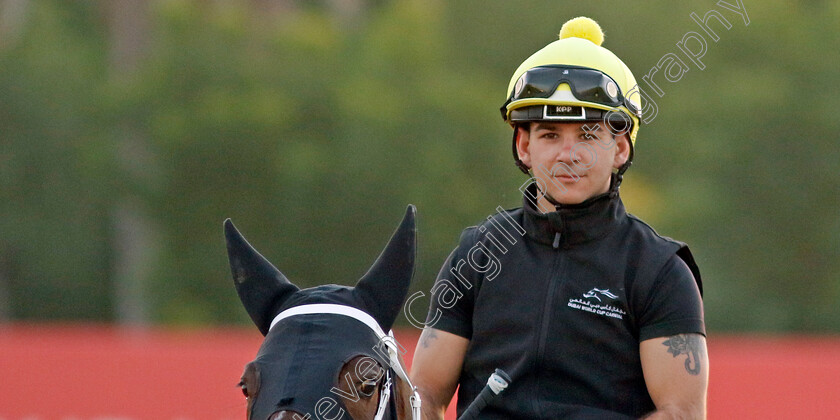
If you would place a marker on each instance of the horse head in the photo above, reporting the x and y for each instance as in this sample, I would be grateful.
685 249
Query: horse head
325 350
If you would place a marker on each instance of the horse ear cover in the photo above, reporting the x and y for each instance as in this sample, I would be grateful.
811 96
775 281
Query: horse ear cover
262 288
384 287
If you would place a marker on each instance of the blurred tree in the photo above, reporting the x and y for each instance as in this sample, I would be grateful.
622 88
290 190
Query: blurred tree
53 189
12 21
136 235
312 125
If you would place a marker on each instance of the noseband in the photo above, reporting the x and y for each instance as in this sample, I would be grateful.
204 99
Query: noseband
388 339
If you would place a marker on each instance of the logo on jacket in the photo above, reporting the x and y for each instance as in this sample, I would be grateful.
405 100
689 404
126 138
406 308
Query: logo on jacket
595 292
589 304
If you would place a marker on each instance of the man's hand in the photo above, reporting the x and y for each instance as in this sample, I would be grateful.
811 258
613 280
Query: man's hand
436 368
676 371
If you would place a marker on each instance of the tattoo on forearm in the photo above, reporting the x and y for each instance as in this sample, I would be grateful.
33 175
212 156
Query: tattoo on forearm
690 346
427 336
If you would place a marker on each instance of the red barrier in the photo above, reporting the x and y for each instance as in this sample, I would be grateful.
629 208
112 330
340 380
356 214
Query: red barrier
95 372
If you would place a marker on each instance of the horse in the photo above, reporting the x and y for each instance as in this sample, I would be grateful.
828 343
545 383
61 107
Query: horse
325 351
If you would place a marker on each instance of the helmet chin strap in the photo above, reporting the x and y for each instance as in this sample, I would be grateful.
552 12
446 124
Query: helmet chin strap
519 164
618 176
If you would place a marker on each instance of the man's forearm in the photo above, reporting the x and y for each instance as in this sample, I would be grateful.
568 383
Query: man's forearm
432 409
436 368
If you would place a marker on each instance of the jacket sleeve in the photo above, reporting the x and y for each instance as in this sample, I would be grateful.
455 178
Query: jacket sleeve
671 303
452 298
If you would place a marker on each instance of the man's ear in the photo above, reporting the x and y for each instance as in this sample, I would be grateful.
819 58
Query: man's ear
622 153
523 140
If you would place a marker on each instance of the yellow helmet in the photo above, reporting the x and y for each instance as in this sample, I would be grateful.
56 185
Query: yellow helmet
575 79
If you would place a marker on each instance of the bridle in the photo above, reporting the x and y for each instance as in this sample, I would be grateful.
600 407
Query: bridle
387 339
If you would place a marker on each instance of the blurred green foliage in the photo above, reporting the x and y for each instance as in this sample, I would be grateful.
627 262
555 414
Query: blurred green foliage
313 132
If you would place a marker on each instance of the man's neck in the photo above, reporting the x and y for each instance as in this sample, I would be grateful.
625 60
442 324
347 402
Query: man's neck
546 206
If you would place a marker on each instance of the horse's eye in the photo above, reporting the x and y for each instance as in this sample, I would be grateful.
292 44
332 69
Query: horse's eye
367 388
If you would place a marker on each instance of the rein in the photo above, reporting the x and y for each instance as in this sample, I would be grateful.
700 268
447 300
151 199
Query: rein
388 339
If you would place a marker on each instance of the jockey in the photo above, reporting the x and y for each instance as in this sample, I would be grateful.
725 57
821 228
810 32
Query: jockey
587 308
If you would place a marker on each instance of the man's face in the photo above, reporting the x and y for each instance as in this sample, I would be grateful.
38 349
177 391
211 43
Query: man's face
571 161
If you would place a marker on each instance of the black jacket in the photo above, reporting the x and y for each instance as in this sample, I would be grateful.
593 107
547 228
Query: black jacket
561 302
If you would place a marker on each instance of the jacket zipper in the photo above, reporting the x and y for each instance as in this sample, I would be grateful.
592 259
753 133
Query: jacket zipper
554 279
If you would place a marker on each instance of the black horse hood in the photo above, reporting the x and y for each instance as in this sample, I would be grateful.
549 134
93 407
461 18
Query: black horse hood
265 291
298 365
300 362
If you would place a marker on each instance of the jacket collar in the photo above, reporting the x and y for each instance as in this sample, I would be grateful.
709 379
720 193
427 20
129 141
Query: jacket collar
575 223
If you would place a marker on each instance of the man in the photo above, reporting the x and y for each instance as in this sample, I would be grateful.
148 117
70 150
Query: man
590 312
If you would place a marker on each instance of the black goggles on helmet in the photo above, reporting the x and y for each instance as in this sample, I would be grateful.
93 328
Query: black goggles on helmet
586 84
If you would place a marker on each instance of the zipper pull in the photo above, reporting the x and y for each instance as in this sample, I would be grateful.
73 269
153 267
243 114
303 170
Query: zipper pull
556 243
